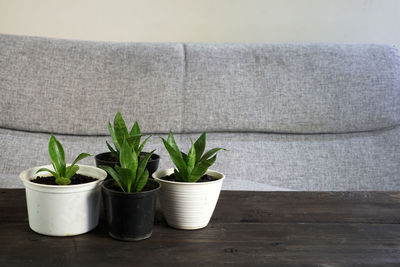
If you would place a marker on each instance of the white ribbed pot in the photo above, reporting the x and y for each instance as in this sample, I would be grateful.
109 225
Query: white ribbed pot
188 206
63 210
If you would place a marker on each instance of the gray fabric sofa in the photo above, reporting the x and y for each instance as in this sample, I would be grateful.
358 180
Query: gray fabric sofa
294 117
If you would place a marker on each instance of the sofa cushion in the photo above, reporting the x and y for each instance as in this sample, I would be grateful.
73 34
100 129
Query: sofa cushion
311 88
256 161
76 87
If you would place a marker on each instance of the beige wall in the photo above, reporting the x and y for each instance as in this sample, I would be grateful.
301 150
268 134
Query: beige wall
206 20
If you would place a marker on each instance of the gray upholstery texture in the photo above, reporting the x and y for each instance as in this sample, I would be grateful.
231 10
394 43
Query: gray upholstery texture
71 87
255 161
291 88
294 117
316 88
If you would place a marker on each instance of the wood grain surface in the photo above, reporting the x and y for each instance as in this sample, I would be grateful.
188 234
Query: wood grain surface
247 229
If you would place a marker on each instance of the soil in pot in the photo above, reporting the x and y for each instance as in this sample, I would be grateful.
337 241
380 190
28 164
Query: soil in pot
51 180
109 157
204 178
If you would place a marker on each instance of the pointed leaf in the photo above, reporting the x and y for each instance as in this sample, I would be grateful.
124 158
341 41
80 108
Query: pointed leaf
172 143
176 158
113 137
128 157
57 155
120 129
135 131
60 152
115 153
134 141
114 175
53 154
127 176
200 146
201 168
191 159
47 170
143 164
142 181
71 170
210 153
142 145
80 157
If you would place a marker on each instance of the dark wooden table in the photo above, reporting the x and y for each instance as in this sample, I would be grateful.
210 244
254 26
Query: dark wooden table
248 228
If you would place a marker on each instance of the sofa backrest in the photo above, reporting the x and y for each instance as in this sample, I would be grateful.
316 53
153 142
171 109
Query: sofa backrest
314 88
76 87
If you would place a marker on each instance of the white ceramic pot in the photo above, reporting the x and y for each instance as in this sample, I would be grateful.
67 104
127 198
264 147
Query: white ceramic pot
188 206
63 210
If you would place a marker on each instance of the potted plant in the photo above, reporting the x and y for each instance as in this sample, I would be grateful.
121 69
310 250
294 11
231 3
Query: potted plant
130 197
118 133
189 192
62 200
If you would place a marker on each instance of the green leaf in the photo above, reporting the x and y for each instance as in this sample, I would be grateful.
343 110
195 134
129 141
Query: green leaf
201 168
71 170
47 170
200 146
128 157
172 143
114 175
175 154
113 137
135 131
210 153
142 145
142 164
142 181
134 141
115 153
120 129
127 176
57 155
184 156
178 176
63 181
80 157
53 154
176 158
191 159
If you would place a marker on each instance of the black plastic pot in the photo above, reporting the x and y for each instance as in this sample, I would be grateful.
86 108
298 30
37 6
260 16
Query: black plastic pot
108 160
130 216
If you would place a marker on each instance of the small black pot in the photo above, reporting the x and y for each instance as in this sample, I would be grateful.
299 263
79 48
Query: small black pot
107 159
130 216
